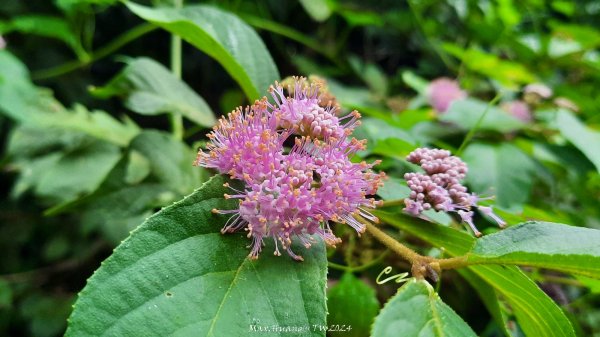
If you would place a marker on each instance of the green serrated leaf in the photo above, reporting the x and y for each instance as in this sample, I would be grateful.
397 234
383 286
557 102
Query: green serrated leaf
585 139
178 275
416 310
63 165
118 212
46 26
537 314
35 107
371 74
501 170
384 138
344 298
542 244
224 37
149 88
508 73
170 160
138 168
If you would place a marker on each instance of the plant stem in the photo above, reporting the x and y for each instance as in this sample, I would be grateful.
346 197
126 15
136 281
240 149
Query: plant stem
421 265
471 132
395 246
175 117
102 52
396 202
453 262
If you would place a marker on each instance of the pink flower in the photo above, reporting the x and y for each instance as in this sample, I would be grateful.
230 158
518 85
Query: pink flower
440 188
303 112
295 193
246 143
442 92
519 110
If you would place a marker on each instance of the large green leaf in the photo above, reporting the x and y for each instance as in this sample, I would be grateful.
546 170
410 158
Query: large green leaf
537 314
224 37
65 176
62 154
373 76
35 107
98 124
150 89
508 73
542 244
416 310
118 212
44 25
169 160
59 165
501 170
465 113
178 275
343 299
584 138
384 139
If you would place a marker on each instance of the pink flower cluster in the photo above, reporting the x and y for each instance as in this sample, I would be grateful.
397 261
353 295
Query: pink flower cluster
442 92
296 192
440 188
518 109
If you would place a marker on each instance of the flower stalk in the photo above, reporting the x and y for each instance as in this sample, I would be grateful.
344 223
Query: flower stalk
422 266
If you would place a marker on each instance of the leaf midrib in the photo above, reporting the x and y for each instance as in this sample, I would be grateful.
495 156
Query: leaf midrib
235 277
134 310
435 316
534 314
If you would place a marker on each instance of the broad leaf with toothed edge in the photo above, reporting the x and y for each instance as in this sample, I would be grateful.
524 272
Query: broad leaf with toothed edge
178 275
537 314
416 310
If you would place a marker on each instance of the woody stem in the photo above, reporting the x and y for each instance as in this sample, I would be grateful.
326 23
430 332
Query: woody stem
421 265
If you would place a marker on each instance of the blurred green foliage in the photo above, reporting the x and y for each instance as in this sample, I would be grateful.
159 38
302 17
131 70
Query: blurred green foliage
88 151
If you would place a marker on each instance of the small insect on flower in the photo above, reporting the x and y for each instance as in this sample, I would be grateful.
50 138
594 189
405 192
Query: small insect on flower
297 192
440 187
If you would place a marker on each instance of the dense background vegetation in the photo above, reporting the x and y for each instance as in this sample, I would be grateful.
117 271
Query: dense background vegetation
88 150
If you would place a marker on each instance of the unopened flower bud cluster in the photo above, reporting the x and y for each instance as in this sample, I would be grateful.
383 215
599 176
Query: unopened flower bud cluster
440 188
